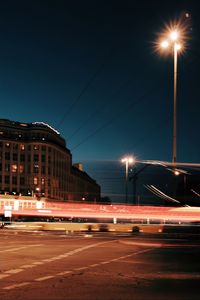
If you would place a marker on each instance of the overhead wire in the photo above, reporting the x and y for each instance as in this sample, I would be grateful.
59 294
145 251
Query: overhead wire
93 114
99 109
164 121
87 85
115 117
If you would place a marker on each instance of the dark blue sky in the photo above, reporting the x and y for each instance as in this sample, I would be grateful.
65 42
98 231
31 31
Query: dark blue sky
89 69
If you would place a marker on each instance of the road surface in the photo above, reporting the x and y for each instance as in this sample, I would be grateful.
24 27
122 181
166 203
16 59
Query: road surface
56 266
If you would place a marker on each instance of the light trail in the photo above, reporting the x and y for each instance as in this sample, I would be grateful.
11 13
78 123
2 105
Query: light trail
97 211
160 194
168 163
192 190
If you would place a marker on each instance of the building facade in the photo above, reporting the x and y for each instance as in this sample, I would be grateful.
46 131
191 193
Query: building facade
34 161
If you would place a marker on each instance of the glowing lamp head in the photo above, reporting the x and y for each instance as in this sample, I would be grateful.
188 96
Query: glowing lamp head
178 46
164 44
176 173
174 35
129 160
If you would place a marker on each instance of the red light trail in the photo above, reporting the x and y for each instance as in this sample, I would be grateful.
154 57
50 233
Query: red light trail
79 210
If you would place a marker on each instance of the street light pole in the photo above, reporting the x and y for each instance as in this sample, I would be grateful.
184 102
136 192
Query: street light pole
175 105
172 39
127 161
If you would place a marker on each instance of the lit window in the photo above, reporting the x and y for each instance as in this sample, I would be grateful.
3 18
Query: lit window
36 147
14 168
35 180
22 147
7 145
21 168
43 181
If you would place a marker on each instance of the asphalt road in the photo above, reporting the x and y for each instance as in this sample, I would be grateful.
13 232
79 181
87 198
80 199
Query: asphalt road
54 266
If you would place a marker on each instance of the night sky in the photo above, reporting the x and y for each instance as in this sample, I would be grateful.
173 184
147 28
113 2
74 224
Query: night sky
90 70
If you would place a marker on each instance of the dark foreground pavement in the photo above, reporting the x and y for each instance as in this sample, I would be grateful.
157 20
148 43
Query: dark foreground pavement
49 266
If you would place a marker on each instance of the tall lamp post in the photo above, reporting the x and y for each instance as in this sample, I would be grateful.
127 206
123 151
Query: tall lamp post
127 160
173 42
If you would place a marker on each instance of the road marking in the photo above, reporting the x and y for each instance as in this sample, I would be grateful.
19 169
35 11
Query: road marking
105 262
3 275
94 265
48 259
141 251
10 272
37 263
63 273
13 271
151 276
44 278
11 287
20 248
115 259
62 256
27 266
76 269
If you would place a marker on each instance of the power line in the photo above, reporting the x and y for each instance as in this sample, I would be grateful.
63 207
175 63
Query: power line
104 125
113 119
87 85
84 123
93 114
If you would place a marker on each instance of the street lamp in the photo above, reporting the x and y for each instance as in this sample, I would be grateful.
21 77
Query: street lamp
173 42
127 160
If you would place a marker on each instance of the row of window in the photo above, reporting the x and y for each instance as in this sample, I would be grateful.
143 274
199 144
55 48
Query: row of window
23 147
13 168
15 156
14 180
29 136
22 180
36 157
